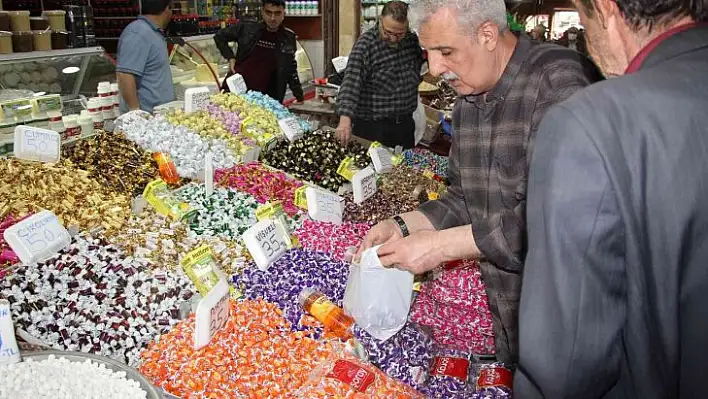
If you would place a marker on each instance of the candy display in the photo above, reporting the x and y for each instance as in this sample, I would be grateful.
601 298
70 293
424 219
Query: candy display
377 208
404 181
75 198
186 148
494 382
114 162
7 255
423 160
255 355
64 379
330 238
315 158
259 99
344 376
92 298
226 213
452 374
262 183
258 123
286 278
454 306
205 125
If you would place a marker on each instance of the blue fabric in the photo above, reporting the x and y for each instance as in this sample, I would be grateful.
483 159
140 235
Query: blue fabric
142 52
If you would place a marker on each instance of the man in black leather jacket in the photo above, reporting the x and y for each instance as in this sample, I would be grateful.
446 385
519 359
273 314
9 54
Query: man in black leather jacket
265 54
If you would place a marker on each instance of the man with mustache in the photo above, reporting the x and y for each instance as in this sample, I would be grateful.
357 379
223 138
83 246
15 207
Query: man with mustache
615 293
379 92
506 84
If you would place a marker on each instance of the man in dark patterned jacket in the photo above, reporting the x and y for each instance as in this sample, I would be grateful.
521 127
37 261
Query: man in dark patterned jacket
506 84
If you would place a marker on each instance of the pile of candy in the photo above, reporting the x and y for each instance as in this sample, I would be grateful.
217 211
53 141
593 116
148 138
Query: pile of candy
256 355
257 122
330 238
92 298
423 160
261 100
74 197
315 158
454 306
186 148
452 374
114 162
377 208
7 256
404 181
202 123
262 183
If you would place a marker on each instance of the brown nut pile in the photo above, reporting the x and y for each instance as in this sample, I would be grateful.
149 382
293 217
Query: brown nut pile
379 207
115 162
76 199
404 181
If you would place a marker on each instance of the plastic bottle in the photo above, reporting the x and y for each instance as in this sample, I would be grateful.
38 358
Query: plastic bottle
71 124
94 109
115 95
329 314
86 123
106 102
56 123
167 168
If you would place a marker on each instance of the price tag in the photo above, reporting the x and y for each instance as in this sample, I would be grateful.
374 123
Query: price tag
347 169
196 99
323 206
269 211
382 159
213 313
35 144
38 237
291 128
236 84
340 63
266 241
300 199
209 174
364 185
251 154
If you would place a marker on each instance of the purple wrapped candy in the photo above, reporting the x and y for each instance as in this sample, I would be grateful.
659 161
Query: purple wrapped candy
405 356
451 374
494 382
492 393
286 278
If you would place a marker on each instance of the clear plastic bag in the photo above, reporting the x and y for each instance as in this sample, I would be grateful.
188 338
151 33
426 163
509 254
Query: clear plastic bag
378 298
420 121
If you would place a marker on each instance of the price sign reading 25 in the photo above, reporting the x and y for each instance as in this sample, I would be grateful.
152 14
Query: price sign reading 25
364 185
266 241
323 206
38 237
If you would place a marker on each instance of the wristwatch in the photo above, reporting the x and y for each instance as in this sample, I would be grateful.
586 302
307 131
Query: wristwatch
402 225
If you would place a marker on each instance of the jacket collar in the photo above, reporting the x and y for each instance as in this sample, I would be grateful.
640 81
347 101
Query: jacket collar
672 43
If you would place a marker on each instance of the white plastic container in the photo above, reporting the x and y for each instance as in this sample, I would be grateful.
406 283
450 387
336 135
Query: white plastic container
86 123
116 99
56 123
71 124
106 102
94 109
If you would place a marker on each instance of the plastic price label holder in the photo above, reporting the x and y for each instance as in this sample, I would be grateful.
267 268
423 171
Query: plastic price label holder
196 99
36 144
300 197
324 207
382 159
209 174
266 241
252 153
38 237
364 185
212 314
236 84
291 128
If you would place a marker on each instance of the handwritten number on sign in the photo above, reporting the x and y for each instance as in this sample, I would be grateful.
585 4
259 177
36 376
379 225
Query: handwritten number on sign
219 315
272 245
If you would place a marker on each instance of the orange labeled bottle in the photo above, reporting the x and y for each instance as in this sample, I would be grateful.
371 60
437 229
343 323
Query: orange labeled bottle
329 314
168 170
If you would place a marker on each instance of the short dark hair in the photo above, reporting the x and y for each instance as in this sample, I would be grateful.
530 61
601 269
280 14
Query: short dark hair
277 3
154 7
648 14
397 10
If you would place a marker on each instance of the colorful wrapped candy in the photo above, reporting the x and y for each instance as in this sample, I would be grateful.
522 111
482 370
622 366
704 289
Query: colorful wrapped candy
330 238
451 375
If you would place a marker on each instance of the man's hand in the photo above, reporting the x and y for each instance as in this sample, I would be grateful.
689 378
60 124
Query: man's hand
232 65
384 232
344 130
417 253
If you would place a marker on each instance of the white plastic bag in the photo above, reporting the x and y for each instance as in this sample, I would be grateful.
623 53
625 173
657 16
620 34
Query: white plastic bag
420 121
378 298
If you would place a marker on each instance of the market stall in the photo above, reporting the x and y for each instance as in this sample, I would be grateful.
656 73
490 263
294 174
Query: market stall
205 252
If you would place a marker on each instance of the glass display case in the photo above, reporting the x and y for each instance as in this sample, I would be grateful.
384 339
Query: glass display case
192 68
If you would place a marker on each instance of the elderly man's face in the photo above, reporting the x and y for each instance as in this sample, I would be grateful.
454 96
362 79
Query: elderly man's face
600 41
465 61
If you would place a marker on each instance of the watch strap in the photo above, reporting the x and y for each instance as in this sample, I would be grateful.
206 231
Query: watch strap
402 225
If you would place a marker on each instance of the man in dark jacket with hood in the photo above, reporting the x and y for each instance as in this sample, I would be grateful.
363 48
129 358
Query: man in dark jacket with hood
265 56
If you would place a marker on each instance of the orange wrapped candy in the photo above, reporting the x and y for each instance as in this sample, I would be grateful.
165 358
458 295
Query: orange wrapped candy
343 376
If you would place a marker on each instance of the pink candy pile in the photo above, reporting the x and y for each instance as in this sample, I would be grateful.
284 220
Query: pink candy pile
455 307
331 238
7 255
262 183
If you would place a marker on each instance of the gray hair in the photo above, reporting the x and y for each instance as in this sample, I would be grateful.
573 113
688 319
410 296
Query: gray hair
470 13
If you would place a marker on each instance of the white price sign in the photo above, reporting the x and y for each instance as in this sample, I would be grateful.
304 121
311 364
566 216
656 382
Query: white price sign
323 206
209 174
196 99
340 63
382 159
38 237
364 185
35 144
236 84
213 312
266 241
251 154
291 128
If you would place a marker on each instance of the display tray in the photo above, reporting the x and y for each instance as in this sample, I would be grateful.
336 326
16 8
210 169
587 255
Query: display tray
78 357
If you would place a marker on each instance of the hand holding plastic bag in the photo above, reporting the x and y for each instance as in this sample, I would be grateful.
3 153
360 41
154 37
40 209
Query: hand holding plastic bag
378 298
